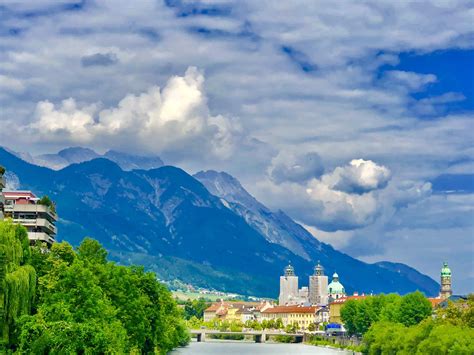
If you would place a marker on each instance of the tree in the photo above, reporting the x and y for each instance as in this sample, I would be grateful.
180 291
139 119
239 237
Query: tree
349 313
195 308
46 201
414 307
92 252
312 327
88 305
17 279
279 323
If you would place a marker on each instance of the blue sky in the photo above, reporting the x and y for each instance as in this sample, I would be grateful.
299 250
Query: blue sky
354 118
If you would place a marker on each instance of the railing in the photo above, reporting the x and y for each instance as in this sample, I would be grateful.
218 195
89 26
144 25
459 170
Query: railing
36 222
260 336
36 208
41 236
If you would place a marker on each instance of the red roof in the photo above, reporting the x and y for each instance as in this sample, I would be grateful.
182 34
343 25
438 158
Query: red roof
19 194
347 298
435 301
291 309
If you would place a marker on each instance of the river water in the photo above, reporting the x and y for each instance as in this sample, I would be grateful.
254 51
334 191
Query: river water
244 348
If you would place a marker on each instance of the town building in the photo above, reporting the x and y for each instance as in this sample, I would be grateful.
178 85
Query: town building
24 208
336 305
335 288
235 311
446 290
318 286
301 315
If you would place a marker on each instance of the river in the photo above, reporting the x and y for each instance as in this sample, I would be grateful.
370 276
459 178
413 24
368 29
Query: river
244 348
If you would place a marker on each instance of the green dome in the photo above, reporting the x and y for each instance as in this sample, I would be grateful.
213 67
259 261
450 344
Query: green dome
445 271
335 287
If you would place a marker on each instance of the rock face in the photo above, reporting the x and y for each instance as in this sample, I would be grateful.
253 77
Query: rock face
206 230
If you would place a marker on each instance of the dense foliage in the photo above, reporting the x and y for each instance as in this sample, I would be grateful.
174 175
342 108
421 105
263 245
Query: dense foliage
392 324
17 279
428 337
195 308
85 304
359 315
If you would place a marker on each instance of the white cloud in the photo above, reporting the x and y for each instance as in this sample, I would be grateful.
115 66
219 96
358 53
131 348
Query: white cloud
172 119
409 80
358 177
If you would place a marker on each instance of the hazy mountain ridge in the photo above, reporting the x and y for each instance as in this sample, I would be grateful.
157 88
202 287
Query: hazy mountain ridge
74 155
169 221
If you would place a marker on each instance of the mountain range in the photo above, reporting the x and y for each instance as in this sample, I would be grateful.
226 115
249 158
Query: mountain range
204 229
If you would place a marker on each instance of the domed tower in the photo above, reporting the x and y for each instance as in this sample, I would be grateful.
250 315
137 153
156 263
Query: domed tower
288 286
446 290
335 288
318 286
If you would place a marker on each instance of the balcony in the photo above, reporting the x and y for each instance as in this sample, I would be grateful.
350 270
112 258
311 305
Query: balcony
35 208
37 222
40 236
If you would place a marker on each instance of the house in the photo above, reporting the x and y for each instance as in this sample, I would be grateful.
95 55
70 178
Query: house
235 311
301 315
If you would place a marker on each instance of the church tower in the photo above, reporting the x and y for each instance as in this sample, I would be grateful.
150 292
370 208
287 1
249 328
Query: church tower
318 286
446 290
288 286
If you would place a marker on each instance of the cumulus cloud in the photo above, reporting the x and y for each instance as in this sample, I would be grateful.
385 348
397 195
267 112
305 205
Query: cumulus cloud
296 167
359 177
173 119
348 198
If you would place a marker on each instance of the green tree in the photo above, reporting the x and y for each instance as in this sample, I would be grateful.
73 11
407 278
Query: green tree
195 308
349 313
279 323
88 305
414 307
46 201
448 339
17 279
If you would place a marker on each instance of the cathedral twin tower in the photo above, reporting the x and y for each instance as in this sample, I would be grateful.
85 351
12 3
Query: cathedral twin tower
318 293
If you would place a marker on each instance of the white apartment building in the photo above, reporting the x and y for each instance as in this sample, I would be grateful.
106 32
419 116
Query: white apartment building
24 208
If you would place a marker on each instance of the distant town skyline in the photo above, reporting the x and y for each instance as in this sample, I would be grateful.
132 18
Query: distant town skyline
354 118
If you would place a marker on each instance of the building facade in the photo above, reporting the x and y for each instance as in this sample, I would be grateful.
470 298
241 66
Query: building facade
288 287
235 311
446 290
301 315
318 286
24 208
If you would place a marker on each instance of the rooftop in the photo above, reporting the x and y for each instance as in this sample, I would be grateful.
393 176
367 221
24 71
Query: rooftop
291 309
